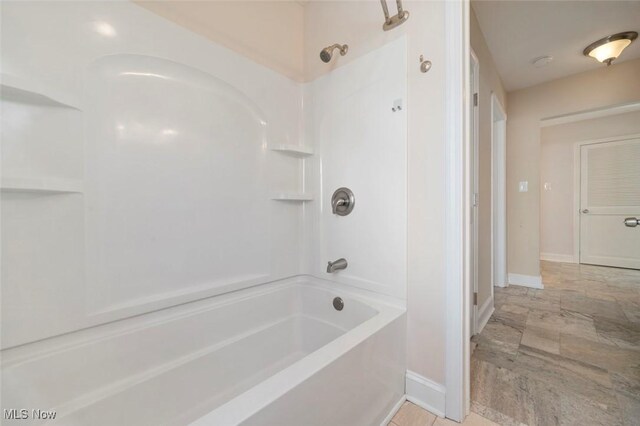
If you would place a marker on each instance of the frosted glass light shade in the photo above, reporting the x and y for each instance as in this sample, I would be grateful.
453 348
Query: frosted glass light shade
609 48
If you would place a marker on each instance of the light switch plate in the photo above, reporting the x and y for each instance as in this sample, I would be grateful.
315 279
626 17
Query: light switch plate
523 186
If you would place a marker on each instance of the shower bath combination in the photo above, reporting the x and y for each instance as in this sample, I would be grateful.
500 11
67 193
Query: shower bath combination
173 204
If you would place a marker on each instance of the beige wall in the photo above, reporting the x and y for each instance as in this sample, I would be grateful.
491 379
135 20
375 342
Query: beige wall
489 83
605 86
359 24
268 32
557 169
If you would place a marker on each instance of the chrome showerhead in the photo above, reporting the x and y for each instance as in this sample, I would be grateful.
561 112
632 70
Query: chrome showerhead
327 52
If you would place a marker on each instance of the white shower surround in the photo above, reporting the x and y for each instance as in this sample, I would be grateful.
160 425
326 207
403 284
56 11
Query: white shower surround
347 123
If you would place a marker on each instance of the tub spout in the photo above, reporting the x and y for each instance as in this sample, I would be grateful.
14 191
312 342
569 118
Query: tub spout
336 265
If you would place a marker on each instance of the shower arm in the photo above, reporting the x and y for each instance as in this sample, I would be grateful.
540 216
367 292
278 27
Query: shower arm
385 10
393 21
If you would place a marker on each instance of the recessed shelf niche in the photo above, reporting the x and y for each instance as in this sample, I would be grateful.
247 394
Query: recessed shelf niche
33 92
293 150
43 185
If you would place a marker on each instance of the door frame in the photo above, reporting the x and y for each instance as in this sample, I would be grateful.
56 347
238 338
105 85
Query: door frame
577 146
456 249
498 194
474 176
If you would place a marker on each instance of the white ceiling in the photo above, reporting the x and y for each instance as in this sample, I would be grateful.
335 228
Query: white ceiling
518 31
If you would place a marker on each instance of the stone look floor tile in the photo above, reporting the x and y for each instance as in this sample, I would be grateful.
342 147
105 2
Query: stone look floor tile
588 306
517 396
500 336
627 382
567 322
622 334
579 411
631 310
574 360
574 376
630 410
544 339
493 415
412 415
472 419
602 355
512 315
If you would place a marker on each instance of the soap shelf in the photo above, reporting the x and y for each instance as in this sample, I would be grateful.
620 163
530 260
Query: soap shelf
33 92
292 196
46 185
293 150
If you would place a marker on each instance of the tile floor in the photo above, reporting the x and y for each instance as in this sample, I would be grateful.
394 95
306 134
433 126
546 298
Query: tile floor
412 415
565 355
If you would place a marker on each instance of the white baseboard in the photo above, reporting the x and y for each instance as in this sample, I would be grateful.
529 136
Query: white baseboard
425 393
554 257
393 411
526 280
484 313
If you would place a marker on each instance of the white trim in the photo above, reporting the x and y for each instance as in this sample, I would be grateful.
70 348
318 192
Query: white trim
555 257
576 202
485 312
456 256
498 194
533 281
393 411
475 181
590 114
425 393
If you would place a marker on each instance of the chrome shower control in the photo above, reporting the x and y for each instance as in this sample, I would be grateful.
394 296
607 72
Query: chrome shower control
342 201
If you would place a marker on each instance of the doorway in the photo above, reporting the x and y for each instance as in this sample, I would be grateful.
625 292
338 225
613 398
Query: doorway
498 194
610 203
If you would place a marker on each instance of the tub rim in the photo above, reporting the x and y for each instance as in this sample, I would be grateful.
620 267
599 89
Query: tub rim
235 411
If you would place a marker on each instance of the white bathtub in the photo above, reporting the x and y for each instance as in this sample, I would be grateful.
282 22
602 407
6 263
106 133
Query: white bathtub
277 354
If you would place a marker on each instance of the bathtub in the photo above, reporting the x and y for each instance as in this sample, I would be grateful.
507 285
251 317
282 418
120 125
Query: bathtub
276 354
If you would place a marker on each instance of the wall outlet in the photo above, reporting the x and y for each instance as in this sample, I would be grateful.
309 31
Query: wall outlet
523 186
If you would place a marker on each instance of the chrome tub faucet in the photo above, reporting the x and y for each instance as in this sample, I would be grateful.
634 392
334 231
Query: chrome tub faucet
336 265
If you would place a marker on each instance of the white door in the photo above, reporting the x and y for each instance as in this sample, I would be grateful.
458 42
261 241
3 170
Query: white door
610 193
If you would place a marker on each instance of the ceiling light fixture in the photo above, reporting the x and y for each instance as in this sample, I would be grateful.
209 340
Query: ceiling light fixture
607 49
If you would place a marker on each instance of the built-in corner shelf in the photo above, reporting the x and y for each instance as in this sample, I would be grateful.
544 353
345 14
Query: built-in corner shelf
44 185
34 92
292 196
293 150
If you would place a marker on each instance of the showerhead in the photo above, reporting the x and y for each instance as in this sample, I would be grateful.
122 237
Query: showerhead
327 52
325 55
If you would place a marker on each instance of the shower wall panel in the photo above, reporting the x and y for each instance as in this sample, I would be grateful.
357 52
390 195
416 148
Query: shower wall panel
154 187
357 121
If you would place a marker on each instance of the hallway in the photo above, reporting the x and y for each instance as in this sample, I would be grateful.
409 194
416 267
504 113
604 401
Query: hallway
567 355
